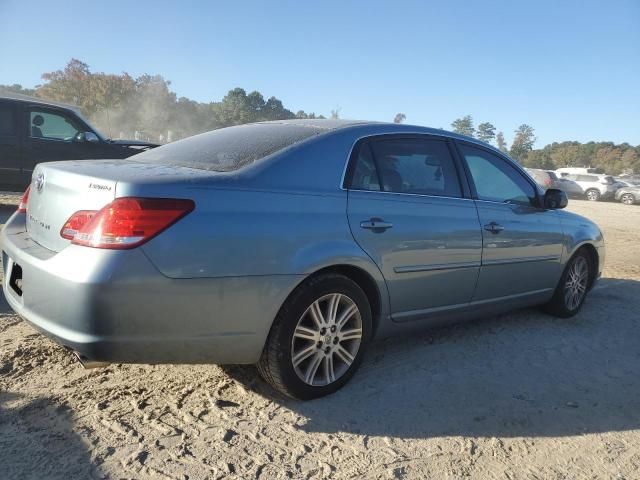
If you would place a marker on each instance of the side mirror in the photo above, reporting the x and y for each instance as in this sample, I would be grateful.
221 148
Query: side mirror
82 137
554 199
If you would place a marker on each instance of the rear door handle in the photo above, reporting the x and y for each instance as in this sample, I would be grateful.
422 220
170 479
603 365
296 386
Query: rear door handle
376 224
493 227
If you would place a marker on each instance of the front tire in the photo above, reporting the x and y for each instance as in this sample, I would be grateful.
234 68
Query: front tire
628 199
593 195
572 289
318 338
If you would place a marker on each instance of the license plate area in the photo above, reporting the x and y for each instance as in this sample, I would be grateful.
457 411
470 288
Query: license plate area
15 280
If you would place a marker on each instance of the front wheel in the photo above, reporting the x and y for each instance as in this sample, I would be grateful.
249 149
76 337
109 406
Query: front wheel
572 288
593 195
628 199
318 338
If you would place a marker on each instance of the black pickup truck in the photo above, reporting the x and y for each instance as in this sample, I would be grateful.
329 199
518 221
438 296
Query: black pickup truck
34 131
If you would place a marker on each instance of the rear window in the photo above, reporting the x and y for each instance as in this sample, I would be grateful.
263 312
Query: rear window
587 178
230 148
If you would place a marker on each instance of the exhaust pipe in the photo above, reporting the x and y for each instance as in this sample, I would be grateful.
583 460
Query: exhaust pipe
88 363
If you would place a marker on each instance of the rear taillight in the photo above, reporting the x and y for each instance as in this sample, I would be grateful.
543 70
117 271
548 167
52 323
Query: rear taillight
129 222
548 182
22 208
76 223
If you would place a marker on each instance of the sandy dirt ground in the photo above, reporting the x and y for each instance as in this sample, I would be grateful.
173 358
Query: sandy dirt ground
522 395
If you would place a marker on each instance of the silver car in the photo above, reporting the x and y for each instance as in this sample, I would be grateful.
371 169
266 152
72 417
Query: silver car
289 245
628 195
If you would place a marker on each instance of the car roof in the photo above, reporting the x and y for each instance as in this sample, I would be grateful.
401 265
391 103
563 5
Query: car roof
372 128
37 101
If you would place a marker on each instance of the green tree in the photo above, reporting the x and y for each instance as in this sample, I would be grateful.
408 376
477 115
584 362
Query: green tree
486 132
539 159
522 142
92 92
464 126
17 88
501 143
630 161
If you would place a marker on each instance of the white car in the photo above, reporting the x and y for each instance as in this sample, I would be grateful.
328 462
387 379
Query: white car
578 171
594 187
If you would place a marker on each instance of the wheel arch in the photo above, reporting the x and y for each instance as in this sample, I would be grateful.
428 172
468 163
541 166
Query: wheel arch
595 261
594 257
364 281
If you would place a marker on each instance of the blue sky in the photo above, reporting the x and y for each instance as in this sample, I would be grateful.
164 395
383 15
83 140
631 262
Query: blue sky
571 69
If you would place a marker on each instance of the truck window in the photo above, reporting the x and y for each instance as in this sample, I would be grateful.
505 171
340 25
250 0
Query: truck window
51 126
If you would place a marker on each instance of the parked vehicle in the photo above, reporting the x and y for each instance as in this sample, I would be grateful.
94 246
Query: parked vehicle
571 188
630 179
578 171
545 178
628 195
594 187
288 244
34 131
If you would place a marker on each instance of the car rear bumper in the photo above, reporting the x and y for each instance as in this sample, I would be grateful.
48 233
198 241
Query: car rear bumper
115 306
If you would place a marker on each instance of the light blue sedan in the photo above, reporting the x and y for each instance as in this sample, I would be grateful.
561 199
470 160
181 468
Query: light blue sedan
290 245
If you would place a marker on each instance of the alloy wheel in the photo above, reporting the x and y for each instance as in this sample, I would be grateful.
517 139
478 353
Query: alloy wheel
628 199
593 195
326 339
576 283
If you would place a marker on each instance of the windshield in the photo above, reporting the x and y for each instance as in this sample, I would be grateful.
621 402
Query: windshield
229 149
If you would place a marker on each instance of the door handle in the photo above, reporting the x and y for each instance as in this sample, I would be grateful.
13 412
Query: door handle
376 224
493 227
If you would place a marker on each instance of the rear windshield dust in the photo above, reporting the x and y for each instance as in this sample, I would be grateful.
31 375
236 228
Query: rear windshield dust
229 149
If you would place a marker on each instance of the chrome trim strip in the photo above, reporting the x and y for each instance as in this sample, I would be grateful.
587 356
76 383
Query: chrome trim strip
460 306
510 297
444 266
423 195
427 311
508 261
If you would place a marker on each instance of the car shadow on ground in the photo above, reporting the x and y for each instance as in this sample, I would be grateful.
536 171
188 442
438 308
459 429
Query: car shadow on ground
520 374
40 433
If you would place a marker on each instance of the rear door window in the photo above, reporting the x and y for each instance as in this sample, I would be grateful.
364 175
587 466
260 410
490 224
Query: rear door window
416 166
587 178
365 174
50 125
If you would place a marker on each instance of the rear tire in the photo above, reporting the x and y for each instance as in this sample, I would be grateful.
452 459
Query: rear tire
628 199
593 195
318 338
572 288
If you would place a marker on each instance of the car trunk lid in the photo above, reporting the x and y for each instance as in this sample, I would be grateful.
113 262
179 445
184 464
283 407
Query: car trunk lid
60 189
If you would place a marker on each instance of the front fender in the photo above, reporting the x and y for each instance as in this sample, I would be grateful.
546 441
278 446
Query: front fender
578 232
